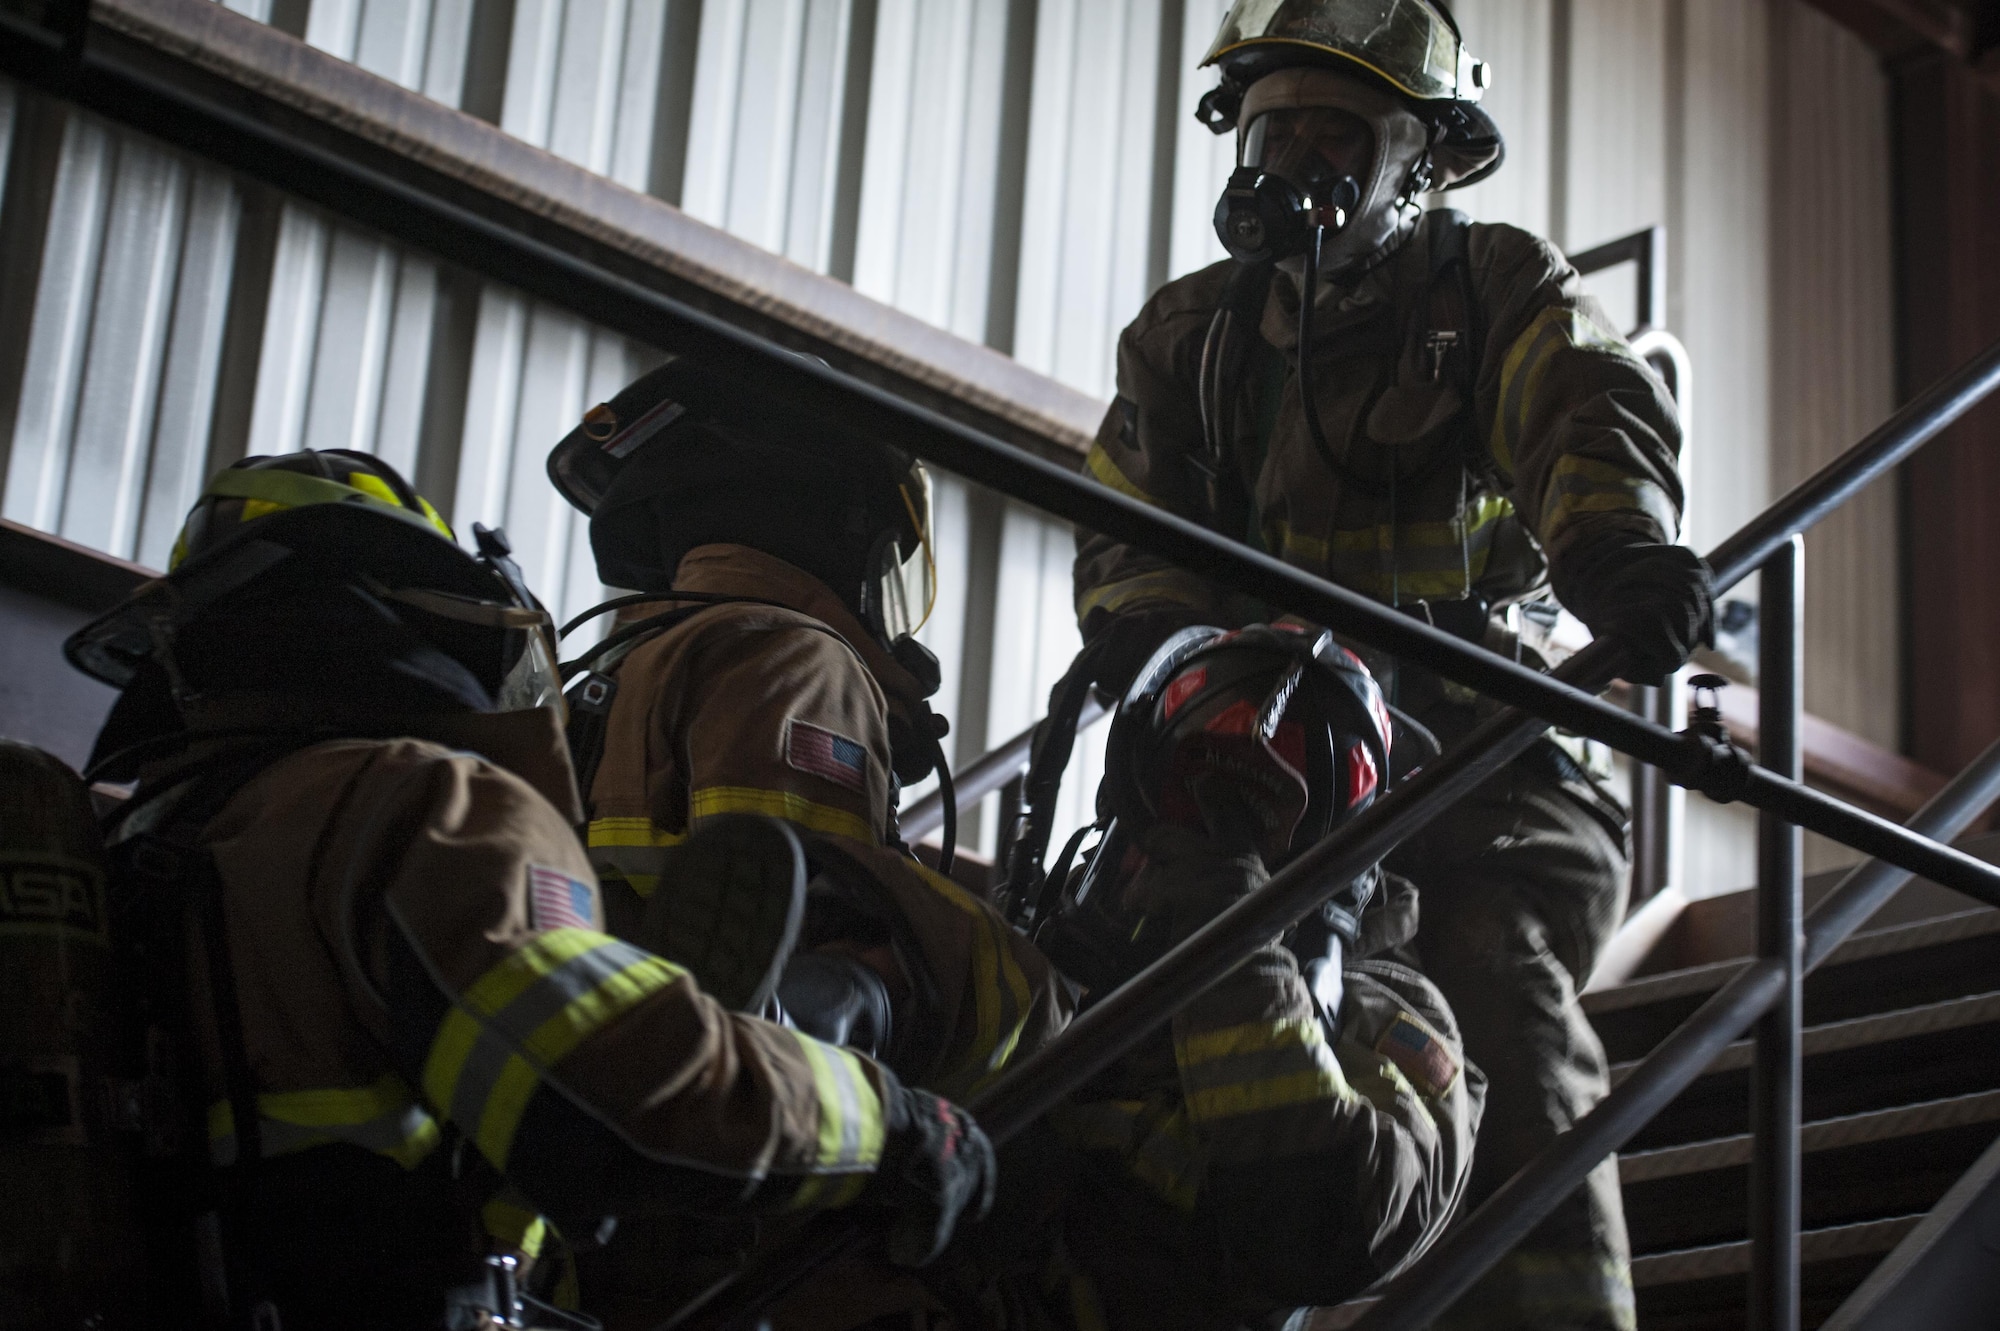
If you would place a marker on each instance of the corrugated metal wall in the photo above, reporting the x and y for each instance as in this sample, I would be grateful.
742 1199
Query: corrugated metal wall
1019 172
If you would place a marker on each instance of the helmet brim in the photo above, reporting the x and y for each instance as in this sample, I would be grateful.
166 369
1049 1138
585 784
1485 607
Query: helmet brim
359 542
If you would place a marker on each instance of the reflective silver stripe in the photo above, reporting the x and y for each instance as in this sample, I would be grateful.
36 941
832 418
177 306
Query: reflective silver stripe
512 1025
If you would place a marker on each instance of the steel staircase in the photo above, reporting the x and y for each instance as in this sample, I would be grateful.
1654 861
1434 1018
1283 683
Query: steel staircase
1902 1095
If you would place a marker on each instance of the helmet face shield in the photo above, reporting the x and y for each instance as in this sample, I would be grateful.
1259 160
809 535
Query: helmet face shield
901 588
1407 42
533 680
1312 147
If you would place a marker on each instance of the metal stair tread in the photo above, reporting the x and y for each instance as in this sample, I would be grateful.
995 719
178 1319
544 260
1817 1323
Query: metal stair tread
1881 1028
1872 943
1728 1259
1824 1135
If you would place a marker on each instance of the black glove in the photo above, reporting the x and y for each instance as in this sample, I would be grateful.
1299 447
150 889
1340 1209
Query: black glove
937 1167
1190 878
1657 601
1125 644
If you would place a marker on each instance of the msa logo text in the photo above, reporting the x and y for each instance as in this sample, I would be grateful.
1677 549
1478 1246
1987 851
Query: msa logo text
43 894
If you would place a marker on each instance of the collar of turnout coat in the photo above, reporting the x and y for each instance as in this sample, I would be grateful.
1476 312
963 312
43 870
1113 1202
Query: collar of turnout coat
529 743
738 570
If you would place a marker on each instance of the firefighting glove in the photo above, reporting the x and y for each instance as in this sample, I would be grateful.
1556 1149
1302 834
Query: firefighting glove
1190 878
937 1168
1657 601
1123 646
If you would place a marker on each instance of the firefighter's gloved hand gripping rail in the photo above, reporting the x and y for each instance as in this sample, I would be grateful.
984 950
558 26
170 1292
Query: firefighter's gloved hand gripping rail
1030 1088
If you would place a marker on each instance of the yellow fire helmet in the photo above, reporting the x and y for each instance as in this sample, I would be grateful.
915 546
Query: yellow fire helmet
1411 47
355 518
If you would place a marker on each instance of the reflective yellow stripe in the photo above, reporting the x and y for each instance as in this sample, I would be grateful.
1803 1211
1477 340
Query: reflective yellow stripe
999 992
1587 485
514 1224
712 800
1376 1078
1163 1150
1256 1066
1099 464
1556 329
1412 561
851 1128
270 489
1169 586
525 1015
384 1118
1256 1037
632 849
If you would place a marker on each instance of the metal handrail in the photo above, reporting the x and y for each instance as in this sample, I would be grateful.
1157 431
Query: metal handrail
1031 1087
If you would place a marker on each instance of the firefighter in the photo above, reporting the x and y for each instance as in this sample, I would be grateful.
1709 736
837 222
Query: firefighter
1304 1128
1465 430
372 959
765 664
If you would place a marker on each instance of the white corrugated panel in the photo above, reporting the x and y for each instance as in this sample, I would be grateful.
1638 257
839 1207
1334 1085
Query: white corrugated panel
111 434
1087 218
930 180
765 127
347 331
1514 37
581 80
1202 160
1035 639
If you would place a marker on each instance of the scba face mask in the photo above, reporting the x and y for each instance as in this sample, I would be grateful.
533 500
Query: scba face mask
1321 150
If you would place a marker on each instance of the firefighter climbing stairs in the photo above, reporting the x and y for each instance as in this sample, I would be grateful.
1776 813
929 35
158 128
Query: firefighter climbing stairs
1902 1095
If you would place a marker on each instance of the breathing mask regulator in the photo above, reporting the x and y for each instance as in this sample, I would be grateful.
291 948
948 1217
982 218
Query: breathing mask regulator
329 524
1277 726
679 460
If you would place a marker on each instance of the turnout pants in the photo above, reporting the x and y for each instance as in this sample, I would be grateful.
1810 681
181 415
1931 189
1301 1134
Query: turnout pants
1521 886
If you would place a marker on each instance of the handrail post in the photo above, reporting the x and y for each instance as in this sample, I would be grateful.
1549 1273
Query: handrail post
1775 1089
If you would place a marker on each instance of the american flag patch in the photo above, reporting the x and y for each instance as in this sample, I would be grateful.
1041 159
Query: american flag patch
1421 1055
820 752
560 901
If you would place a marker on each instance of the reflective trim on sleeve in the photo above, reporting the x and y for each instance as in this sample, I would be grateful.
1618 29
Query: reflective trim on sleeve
999 992
1375 1077
1161 587
1580 485
851 1129
1556 329
524 1016
507 1218
1413 560
384 1118
1160 1149
634 850
1257 1066
815 817
1099 464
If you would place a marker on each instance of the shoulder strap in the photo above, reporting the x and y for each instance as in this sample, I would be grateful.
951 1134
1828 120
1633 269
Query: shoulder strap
589 698
172 881
595 682
1225 351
